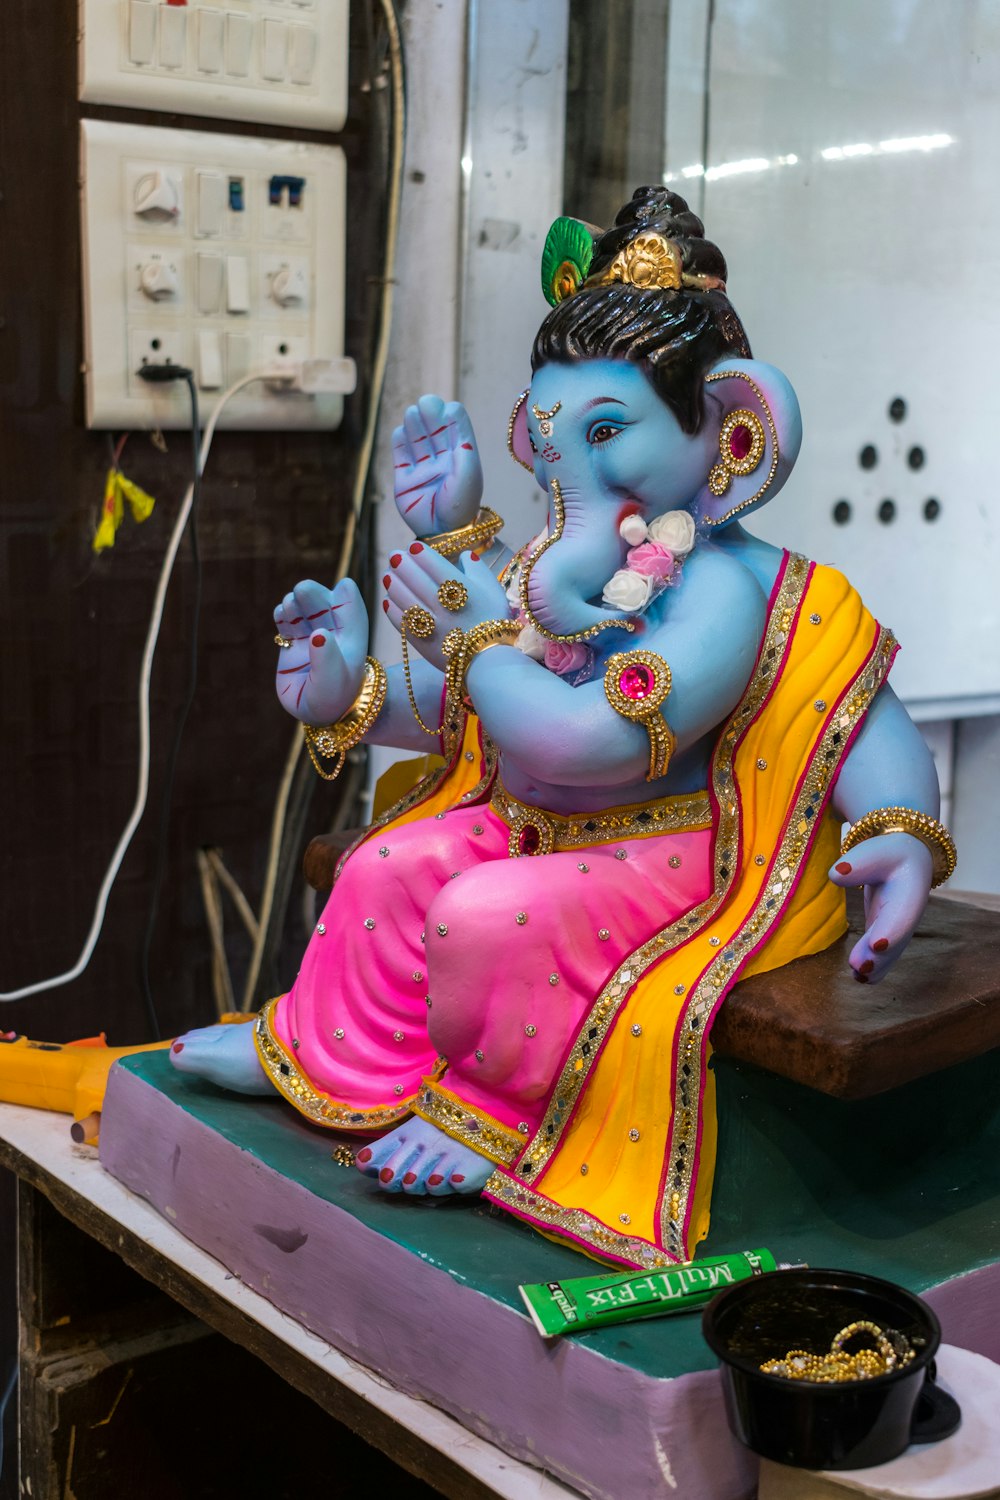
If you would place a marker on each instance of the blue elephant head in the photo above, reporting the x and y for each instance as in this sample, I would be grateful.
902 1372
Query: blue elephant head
644 398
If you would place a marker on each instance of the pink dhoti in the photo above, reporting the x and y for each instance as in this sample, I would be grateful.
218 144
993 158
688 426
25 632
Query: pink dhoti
446 977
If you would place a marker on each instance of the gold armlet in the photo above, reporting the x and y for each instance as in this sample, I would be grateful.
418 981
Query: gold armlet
904 820
637 684
467 538
333 741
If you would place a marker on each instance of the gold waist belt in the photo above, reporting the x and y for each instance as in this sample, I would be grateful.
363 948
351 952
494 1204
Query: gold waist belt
535 831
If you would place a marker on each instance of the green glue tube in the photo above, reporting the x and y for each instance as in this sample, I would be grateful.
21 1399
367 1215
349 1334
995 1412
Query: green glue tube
584 1302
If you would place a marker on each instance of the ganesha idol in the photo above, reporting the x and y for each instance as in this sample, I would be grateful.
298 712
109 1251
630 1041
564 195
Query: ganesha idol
654 727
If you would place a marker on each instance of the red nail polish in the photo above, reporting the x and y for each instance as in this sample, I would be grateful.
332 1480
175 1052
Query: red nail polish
319 640
435 1181
386 581
881 945
385 605
177 1047
843 868
474 556
385 1175
867 966
457 1177
408 1178
416 547
395 559
363 1156
861 978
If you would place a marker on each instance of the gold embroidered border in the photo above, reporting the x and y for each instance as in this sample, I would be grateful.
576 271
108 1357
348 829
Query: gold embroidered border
633 820
597 1236
800 829
465 1123
284 1072
604 1012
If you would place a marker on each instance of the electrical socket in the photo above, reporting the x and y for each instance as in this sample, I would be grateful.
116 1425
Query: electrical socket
159 346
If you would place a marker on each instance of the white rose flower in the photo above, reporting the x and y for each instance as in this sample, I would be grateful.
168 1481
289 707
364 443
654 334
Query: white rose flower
634 530
531 643
628 591
674 529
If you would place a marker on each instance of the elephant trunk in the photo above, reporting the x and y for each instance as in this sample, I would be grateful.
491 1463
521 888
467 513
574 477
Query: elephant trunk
571 568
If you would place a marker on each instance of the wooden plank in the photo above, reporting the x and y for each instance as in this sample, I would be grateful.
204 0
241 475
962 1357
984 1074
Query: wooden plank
413 1434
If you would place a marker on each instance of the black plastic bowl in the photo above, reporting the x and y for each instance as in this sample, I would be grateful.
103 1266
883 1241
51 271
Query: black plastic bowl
848 1426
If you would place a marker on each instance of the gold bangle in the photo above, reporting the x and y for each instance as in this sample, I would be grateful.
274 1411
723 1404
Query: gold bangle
460 646
332 741
905 820
637 684
479 534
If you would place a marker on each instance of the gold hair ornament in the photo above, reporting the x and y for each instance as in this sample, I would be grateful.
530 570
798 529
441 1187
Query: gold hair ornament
650 260
905 820
529 563
479 534
731 464
333 741
637 684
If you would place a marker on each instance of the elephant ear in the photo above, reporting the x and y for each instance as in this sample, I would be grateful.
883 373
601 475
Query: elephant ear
518 439
755 415
566 257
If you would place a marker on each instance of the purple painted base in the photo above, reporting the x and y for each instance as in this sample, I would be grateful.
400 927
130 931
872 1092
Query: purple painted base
601 1426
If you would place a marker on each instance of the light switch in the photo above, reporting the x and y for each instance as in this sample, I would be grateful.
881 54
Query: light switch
210 269
211 26
301 54
273 49
209 360
239 347
212 194
141 31
239 42
173 35
237 284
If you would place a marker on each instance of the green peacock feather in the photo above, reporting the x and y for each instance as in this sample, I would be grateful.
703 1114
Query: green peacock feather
569 249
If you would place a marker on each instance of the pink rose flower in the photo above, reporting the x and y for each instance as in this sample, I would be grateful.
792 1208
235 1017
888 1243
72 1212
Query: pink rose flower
652 560
564 657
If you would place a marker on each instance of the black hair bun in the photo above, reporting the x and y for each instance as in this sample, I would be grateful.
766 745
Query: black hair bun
656 210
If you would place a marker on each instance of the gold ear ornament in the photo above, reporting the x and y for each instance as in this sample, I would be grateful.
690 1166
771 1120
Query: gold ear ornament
742 446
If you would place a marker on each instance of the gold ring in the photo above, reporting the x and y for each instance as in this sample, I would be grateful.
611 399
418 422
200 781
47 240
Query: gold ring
453 595
283 641
418 622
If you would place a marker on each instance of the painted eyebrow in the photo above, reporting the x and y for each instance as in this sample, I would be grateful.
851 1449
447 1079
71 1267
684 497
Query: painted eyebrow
600 401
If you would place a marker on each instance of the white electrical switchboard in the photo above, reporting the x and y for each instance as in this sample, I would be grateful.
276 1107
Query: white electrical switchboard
221 253
276 62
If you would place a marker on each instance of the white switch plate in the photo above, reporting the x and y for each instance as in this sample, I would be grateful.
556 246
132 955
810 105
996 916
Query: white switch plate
125 325
276 62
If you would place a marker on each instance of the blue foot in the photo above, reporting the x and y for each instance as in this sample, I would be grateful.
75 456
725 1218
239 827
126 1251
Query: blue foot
419 1159
225 1055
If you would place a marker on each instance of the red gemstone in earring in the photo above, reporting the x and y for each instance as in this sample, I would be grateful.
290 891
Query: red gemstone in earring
740 441
636 683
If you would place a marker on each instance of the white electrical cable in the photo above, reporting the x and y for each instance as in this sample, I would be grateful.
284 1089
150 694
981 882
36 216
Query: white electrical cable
145 674
361 473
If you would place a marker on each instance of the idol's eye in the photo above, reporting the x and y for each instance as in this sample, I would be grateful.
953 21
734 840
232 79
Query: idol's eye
604 432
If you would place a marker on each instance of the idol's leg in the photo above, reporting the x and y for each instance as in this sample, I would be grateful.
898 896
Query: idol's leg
517 951
354 1024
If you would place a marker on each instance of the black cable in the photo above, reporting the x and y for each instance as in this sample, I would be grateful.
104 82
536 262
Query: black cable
174 372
